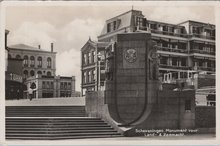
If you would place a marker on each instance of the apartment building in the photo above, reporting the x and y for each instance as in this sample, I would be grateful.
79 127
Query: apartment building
92 66
185 49
35 60
33 66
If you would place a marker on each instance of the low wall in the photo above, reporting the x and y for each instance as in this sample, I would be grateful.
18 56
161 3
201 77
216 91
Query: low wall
205 117
95 107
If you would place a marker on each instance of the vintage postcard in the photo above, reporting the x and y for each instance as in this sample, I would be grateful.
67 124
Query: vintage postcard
109 73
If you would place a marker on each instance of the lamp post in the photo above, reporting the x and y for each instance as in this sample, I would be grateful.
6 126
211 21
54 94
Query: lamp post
99 55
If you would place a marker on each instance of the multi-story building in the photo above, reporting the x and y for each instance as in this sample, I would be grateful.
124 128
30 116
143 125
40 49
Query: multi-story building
184 49
52 86
6 49
35 60
92 64
34 67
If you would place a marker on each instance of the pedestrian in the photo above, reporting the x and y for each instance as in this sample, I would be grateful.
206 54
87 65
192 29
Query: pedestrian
30 92
18 94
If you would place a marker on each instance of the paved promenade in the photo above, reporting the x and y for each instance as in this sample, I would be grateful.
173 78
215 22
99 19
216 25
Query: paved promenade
64 101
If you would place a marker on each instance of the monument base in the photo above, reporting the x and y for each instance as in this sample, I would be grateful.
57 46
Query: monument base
173 113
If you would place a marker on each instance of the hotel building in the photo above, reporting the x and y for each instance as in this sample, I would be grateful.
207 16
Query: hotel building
185 50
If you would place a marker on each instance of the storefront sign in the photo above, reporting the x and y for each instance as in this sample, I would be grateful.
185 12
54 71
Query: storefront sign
14 77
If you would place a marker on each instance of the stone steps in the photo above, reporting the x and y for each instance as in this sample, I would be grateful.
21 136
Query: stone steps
31 123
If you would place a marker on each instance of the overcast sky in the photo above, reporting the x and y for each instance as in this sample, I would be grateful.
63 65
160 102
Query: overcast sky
69 27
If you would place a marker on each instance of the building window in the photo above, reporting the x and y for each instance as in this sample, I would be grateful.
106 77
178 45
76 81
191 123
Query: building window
18 57
93 75
44 85
61 85
25 61
48 73
85 59
139 21
39 73
32 61
84 77
69 85
90 58
187 105
93 57
32 73
108 27
48 62
87 78
25 74
114 25
48 84
90 77
9 55
65 85
39 59
51 85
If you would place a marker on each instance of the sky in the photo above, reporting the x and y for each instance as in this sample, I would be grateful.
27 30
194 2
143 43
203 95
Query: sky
70 26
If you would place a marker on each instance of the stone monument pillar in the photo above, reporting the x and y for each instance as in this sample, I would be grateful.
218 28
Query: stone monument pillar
132 77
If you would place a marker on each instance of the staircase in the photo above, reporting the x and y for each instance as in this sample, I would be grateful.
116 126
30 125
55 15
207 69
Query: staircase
53 123
45 111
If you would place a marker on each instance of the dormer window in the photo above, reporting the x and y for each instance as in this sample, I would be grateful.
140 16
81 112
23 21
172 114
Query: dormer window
112 26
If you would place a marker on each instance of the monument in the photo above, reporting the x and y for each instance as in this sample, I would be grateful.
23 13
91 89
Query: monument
133 98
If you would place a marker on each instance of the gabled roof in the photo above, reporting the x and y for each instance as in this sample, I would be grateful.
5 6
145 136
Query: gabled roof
25 47
94 44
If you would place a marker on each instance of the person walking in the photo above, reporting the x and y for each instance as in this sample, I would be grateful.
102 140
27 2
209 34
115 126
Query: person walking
30 92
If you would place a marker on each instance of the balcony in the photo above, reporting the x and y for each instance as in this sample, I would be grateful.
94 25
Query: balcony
172 49
202 52
202 36
174 67
168 33
203 68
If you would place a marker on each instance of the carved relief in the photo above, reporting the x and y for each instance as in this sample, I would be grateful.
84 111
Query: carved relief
109 62
153 63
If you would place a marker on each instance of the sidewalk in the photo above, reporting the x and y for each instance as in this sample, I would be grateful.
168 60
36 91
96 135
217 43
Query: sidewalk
61 101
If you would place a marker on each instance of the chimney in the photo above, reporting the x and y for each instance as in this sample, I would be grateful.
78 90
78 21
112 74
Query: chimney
38 46
51 47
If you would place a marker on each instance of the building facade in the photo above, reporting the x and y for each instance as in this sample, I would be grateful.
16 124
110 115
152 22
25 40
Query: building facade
35 60
14 85
52 86
92 63
184 49
13 75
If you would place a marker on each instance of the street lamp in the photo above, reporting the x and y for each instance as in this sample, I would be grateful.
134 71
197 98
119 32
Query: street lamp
99 57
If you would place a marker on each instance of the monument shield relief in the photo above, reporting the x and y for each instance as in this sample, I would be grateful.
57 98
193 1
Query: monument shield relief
130 58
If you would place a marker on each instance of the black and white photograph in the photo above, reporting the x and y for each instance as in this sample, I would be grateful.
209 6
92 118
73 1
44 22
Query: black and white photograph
110 71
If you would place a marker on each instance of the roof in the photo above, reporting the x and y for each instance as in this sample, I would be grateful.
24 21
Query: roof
192 21
130 11
124 20
95 44
170 24
25 47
